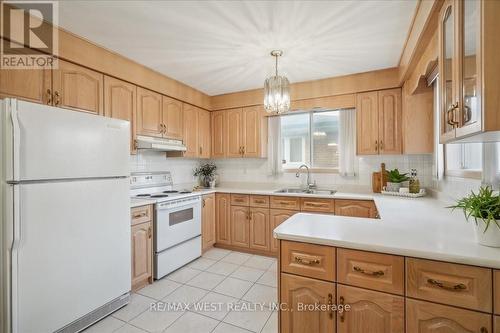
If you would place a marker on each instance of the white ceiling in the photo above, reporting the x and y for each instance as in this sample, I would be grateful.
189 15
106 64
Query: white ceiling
223 46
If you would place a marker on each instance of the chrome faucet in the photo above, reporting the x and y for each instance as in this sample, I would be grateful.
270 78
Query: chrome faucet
310 185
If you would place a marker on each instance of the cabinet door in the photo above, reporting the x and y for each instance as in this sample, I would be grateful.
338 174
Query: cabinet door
276 217
204 138
223 218
424 317
389 120
33 85
78 88
239 226
172 118
218 134
141 255
371 311
120 103
367 123
252 118
149 113
234 133
355 208
260 235
296 291
208 221
190 114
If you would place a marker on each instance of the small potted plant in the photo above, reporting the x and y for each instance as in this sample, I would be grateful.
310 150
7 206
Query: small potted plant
394 180
484 208
206 173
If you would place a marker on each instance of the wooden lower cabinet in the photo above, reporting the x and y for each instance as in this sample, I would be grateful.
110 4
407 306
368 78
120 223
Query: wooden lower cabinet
496 324
259 229
496 288
355 208
276 217
370 311
296 291
208 221
142 255
240 226
425 317
223 218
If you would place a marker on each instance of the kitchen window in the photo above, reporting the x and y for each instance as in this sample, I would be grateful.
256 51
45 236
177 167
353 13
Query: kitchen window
464 160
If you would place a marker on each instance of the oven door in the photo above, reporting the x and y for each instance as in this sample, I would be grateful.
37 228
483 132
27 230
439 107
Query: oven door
177 221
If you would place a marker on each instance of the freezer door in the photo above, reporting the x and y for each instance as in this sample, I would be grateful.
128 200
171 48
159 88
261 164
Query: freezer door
71 251
44 142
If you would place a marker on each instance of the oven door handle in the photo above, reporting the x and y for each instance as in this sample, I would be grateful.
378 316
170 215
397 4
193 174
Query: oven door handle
178 206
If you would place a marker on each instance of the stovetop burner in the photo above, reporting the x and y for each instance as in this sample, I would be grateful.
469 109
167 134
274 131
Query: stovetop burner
184 192
143 195
158 196
171 191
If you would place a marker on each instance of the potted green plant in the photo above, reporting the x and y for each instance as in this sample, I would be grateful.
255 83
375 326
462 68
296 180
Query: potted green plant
394 180
206 173
484 208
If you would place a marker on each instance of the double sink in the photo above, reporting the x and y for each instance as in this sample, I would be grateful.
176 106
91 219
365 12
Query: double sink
306 191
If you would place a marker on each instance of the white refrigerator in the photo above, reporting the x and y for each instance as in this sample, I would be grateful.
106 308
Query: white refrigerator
65 233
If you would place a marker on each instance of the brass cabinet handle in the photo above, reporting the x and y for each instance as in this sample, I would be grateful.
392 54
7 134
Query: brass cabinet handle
203 202
342 314
306 261
450 117
238 200
330 305
243 150
260 201
136 216
381 145
201 150
315 204
376 145
367 272
49 97
149 232
164 128
443 285
135 144
57 98
484 330
240 151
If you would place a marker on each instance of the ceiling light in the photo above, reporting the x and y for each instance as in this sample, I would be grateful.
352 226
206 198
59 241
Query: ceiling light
276 90
319 133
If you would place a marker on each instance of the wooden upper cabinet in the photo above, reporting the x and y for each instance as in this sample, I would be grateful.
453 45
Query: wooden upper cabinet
223 218
142 255
251 133
149 113
33 85
204 137
78 88
367 125
240 231
355 208
276 217
389 120
172 118
208 221
424 317
219 134
120 103
234 118
259 229
370 311
191 125
298 291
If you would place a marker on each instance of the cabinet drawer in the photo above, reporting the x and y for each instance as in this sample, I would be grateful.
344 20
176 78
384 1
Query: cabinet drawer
355 208
240 200
317 205
316 261
141 214
453 284
259 201
371 270
282 202
496 288
429 317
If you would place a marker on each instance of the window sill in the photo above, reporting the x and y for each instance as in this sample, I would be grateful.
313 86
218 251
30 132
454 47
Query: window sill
312 170
473 174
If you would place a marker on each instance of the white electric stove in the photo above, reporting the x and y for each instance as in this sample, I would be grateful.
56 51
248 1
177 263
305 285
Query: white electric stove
177 220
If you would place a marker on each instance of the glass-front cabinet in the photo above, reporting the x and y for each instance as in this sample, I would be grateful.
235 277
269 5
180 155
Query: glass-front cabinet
469 70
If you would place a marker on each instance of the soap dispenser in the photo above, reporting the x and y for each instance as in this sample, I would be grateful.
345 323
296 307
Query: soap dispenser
414 182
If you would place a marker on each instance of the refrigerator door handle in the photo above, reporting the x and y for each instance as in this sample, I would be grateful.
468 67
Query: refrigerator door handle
16 241
16 135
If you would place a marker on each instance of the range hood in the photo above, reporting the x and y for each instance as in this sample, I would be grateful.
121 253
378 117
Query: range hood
160 144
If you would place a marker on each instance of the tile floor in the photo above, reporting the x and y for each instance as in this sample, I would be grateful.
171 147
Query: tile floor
222 287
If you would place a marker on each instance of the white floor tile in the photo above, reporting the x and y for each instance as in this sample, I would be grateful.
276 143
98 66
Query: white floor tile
222 268
272 324
155 321
192 323
106 325
269 278
159 289
259 262
226 328
236 258
185 295
247 273
201 263
233 287
249 318
206 280
137 305
183 274
261 294
216 254
129 329
222 305
274 266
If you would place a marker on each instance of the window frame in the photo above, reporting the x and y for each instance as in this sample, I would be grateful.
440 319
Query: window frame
460 173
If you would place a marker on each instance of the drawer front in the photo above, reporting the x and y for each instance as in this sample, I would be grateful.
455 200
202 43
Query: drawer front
317 205
376 271
316 261
282 202
496 287
240 200
425 317
141 214
261 201
355 208
459 285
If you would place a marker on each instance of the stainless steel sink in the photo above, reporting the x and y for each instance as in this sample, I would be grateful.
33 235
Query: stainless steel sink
290 190
304 191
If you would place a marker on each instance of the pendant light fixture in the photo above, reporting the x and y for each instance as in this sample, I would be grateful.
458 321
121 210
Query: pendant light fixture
276 90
